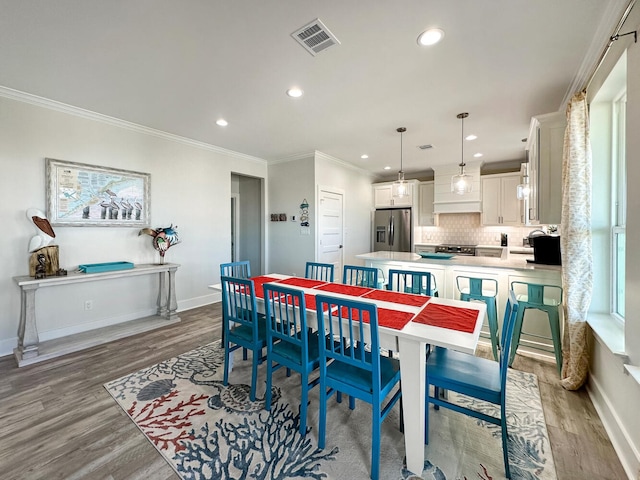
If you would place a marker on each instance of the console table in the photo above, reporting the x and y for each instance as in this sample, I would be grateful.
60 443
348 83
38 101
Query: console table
31 350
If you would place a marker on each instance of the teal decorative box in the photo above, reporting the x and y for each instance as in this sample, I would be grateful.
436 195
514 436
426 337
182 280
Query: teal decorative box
104 267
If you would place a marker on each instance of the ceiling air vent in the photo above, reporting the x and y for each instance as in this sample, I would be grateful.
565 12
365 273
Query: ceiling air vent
315 37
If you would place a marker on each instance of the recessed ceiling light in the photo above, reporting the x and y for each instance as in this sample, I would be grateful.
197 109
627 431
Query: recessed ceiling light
387 167
430 37
294 92
364 157
471 137
478 155
222 122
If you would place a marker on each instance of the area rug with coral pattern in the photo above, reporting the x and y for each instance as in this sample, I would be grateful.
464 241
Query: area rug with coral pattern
208 431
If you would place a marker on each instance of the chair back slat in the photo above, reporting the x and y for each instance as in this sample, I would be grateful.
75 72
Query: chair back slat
355 323
319 271
236 269
509 321
285 311
409 281
360 276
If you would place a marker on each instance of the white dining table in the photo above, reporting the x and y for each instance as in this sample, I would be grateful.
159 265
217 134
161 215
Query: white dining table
410 342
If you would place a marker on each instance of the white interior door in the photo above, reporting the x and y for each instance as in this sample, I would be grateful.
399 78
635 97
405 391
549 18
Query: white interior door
330 230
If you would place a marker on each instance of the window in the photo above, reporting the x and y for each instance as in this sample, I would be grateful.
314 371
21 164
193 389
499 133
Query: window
607 112
619 201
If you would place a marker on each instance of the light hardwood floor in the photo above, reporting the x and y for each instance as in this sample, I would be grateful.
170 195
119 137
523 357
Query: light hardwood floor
58 422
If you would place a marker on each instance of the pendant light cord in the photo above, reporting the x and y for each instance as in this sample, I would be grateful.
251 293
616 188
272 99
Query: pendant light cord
401 130
462 116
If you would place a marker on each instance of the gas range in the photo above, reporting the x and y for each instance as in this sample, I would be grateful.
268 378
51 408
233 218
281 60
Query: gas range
469 250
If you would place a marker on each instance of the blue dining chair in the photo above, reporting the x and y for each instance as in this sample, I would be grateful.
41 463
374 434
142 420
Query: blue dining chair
350 368
360 276
290 343
408 281
242 327
319 271
241 269
236 269
475 377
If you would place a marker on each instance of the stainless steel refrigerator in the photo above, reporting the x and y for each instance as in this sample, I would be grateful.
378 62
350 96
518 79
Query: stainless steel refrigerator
392 230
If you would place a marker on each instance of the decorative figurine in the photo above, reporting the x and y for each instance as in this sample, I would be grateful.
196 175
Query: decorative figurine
44 233
41 245
163 238
41 267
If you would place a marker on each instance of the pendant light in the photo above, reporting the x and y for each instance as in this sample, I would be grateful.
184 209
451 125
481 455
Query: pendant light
400 187
461 183
524 189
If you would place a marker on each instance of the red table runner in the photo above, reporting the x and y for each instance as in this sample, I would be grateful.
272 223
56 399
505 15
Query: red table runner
344 289
302 282
445 316
386 318
396 297
259 281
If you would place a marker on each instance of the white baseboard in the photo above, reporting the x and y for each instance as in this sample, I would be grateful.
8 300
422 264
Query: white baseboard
622 444
7 345
199 301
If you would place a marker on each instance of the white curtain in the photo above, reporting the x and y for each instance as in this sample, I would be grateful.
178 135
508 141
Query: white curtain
575 242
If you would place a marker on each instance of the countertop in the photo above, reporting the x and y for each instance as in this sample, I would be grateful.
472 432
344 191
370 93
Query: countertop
511 261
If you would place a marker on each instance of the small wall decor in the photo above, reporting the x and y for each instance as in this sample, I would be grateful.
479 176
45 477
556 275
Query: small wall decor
163 238
304 213
88 195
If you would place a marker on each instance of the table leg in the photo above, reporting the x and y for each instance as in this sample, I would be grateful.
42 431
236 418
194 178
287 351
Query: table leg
27 330
412 374
172 302
162 295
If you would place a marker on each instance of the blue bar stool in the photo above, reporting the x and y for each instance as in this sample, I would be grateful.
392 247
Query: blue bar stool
483 290
535 298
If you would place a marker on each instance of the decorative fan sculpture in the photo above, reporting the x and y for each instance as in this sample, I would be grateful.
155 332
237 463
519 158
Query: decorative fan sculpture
163 238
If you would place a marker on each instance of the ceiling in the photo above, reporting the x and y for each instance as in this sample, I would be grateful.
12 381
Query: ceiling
179 66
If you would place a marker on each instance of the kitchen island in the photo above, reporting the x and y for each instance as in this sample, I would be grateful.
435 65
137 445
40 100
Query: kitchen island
513 267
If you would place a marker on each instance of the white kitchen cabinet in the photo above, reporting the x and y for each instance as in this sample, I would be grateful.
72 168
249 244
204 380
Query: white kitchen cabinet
445 201
500 206
426 216
383 195
544 151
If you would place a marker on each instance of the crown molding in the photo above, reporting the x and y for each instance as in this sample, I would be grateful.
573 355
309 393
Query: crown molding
343 163
36 100
317 154
293 158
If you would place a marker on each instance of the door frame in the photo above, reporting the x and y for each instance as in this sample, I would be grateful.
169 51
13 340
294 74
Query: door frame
235 221
339 191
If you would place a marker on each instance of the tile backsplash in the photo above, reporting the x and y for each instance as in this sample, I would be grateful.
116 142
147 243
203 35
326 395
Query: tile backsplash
467 229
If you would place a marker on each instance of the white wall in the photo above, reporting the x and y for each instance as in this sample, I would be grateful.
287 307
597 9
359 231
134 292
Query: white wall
289 184
190 187
358 203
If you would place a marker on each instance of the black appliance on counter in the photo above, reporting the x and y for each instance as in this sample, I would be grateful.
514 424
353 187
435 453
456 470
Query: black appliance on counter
546 249
468 250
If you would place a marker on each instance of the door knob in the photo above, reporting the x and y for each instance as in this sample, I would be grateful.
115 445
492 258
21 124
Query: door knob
340 246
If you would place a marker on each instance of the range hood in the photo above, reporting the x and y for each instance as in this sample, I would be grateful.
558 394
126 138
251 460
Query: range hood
445 201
